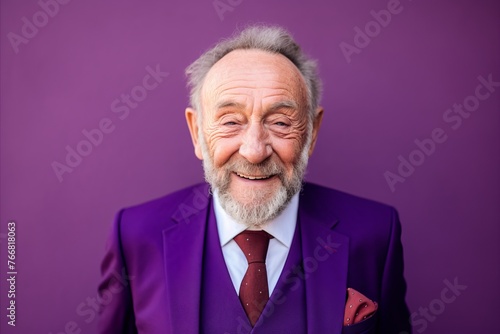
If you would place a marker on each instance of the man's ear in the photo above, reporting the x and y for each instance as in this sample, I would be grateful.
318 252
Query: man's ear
316 125
192 122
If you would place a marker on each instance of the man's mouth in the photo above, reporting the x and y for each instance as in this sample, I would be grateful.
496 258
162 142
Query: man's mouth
254 177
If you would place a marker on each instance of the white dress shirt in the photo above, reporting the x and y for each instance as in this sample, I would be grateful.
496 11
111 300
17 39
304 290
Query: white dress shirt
281 228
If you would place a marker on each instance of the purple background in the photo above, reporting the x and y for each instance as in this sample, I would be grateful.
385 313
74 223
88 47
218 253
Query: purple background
396 90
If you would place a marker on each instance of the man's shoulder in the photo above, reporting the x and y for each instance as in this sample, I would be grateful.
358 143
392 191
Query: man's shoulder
341 204
161 210
365 221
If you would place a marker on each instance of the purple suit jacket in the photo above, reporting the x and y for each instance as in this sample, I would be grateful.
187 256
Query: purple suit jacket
152 269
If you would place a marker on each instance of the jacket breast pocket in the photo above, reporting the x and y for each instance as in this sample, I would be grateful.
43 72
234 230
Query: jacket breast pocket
364 327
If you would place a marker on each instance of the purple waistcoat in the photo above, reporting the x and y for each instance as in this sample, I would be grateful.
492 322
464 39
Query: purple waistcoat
220 308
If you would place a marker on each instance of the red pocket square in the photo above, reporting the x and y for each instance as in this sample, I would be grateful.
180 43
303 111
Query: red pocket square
357 307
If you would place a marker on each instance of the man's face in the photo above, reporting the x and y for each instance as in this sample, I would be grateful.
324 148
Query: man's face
255 133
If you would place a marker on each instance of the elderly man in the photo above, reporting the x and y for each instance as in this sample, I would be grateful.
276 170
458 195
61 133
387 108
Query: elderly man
256 250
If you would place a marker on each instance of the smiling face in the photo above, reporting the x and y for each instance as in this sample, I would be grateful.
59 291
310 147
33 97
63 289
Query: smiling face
255 135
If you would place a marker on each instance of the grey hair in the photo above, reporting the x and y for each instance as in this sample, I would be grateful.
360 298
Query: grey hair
272 39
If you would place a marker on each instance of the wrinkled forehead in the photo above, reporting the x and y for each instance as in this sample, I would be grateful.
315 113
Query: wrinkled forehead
253 69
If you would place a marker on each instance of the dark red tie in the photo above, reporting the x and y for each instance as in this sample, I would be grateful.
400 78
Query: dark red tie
254 292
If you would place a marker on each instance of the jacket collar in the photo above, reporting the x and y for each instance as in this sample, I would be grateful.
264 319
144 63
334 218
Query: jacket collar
325 260
183 256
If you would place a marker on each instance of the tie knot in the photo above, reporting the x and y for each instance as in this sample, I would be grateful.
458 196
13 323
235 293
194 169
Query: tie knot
254 245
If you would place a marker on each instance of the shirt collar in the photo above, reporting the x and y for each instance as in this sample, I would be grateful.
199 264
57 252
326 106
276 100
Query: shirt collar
282 227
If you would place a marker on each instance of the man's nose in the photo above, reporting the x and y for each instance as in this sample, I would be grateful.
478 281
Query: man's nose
255 146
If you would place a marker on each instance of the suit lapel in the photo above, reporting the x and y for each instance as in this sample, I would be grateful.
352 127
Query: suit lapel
183 256
325 259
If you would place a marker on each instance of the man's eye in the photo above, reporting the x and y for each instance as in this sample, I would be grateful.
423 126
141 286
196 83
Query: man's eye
230 123
281 124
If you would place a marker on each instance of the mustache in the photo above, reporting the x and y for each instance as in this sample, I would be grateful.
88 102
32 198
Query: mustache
264 168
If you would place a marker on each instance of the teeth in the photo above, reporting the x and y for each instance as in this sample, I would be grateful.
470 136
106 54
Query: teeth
253 177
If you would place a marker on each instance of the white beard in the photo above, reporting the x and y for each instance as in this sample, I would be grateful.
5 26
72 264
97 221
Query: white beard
260 207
